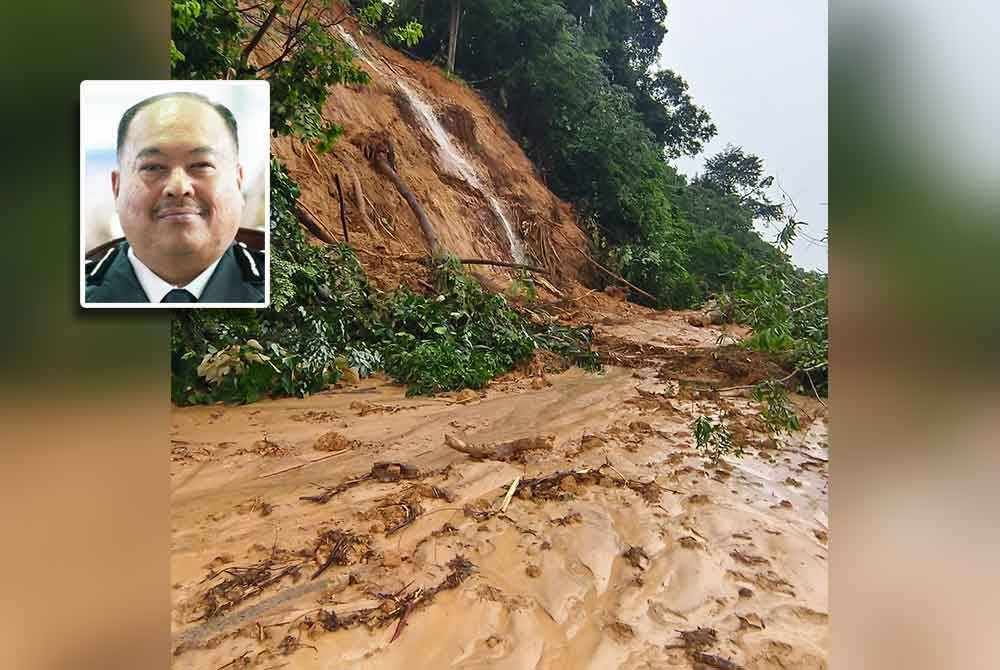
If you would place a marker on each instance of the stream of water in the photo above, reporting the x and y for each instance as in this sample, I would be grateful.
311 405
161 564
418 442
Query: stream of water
451 157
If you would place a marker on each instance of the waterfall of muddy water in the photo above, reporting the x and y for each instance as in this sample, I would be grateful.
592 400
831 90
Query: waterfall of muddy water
452 158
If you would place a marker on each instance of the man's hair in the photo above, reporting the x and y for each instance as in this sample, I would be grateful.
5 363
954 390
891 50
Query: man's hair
130 113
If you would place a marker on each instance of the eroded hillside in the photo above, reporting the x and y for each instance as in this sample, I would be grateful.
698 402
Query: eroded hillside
554 519
481 193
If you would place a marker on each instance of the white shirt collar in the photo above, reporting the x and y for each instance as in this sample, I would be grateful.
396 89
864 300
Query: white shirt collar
156 289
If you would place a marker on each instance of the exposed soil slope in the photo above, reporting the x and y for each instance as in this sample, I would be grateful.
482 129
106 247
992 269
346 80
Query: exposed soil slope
450 149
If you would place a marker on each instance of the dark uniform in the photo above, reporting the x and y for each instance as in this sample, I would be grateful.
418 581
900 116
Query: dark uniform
239 277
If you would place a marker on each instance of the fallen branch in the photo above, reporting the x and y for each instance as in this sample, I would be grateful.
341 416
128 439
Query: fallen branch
503 264
382 155
609 272
425 260
510 494
505 451
402 621
715 661
312 224
302 465
343 218
359 201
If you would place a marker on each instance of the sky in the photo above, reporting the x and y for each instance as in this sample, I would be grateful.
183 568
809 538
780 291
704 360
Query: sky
760 69
102 104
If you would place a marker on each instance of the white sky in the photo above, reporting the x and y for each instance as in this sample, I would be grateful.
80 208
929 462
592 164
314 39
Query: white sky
102 104
760 69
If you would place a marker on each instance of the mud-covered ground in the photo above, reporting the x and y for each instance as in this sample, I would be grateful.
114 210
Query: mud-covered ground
620 546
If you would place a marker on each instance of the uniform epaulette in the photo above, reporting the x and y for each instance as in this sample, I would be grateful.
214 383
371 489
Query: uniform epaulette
253 263
94 269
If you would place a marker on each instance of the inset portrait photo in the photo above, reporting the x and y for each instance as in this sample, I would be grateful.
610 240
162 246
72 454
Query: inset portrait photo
174 194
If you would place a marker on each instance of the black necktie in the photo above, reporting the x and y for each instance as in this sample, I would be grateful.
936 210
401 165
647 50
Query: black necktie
179 295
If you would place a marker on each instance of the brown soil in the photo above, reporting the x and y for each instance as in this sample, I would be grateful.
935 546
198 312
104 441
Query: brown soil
616 536
341 530
461 216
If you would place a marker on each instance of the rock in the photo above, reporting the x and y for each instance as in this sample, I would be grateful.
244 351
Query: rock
699 320
377 527
591 442
533 571
716 317
745 592
569 485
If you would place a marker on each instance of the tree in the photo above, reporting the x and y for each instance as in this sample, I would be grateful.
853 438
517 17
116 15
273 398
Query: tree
456 14
681 127
218 40
732 171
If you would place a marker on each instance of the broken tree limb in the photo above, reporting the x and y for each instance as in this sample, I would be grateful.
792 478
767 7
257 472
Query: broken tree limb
343 218
417 258
359 201
411 200
510 494
714 661
312 224
255 40
505 451
503 264
302 465
382 155
609 272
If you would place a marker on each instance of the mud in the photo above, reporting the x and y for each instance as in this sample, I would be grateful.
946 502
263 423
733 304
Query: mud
616 539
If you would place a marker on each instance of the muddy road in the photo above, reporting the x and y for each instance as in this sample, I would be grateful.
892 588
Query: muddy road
620 546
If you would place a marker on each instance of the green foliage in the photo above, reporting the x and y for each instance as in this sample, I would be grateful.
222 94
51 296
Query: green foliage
206 38
325 317
462 338
573 344
714 440
523 287
777 413
383 17
407 34
300 81
208 41
787 309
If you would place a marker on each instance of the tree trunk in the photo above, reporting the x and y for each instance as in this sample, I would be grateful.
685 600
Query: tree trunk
313 225
382 164
456 12
359 201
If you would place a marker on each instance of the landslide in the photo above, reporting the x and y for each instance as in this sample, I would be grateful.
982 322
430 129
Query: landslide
464 220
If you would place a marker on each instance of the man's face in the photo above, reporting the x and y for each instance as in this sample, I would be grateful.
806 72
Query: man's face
178 187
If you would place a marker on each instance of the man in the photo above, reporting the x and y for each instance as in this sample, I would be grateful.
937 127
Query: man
178 194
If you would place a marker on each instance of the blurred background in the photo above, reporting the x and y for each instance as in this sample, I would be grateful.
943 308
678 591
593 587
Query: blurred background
102 104
84 476
914 265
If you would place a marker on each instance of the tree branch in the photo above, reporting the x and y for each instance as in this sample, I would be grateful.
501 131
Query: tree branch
259 35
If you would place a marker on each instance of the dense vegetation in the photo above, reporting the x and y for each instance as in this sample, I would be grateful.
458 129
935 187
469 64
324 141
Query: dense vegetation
577 84
325 320
577 81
